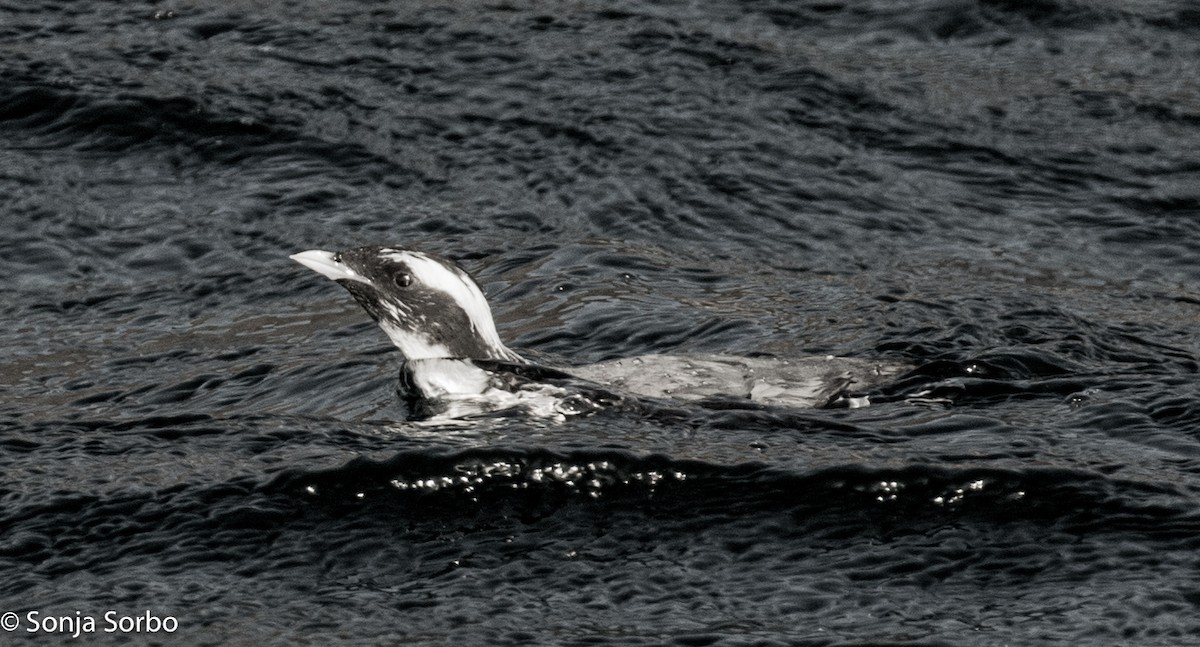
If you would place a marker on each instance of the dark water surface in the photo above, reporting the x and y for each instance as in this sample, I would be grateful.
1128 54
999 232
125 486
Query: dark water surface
1003 193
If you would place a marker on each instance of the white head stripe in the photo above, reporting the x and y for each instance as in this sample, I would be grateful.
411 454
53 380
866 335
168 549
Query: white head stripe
455 283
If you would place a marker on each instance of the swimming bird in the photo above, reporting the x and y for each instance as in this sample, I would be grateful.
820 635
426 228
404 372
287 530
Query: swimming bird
455 363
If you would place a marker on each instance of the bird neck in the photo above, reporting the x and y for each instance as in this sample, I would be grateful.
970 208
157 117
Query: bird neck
443 377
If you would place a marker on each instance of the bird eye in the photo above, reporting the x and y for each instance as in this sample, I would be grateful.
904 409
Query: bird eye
337 258
402 279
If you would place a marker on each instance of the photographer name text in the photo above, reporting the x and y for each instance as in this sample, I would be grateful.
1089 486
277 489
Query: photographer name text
79 623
